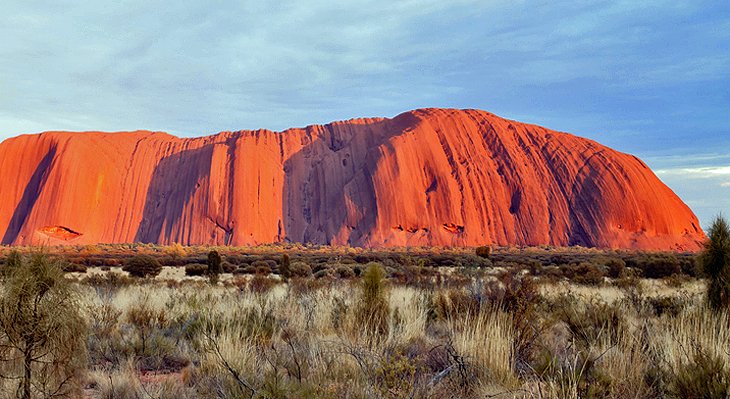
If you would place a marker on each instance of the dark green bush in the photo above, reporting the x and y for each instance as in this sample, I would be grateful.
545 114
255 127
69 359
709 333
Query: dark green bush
588 274
669 305
74 268
285 268
616 267
214 265
196 269
142 266
715 261
657 265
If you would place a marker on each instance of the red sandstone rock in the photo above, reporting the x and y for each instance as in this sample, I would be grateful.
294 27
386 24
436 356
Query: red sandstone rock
426 177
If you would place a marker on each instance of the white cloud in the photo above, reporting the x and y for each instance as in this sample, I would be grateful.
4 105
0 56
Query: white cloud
697 172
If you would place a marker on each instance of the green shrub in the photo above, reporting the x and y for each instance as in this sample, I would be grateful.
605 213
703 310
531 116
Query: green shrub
373 308
142 266
715 261
214 266
591 320
588 274
74 268
300 269
616 267
669 305
659 265
196 269
13 260
285 268
42 330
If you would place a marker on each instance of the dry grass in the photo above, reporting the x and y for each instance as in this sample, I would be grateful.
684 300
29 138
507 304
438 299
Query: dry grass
256 336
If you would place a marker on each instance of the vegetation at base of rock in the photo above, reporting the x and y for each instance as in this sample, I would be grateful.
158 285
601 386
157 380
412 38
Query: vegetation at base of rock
483 251
537 323
215 267
142 266
715 262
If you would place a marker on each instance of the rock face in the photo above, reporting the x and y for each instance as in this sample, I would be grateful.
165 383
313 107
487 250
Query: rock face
427 177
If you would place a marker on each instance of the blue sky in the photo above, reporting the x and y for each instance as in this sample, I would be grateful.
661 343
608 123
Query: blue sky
651 78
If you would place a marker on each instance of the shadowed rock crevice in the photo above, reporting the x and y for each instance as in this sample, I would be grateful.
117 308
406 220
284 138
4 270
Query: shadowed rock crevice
315 205
168 204
32 191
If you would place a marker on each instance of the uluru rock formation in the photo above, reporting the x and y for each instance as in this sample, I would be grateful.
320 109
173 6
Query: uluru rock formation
427 177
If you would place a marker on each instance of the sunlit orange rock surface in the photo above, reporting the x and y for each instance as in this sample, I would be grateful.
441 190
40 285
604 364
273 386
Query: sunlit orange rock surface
426 177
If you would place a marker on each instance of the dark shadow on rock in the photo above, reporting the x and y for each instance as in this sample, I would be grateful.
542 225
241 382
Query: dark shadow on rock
29 198
315 205
174 182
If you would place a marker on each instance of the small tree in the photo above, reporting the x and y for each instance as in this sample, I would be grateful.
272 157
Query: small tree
42 332
715 262
142 266
214 266
285 267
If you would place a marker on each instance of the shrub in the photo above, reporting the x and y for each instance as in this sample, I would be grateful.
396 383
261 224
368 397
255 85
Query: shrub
483 251
13 260
689 266
109 281
343 271
715 261
228 267
246 269
660 266
616 267
323 273
74 268
588 274
594 320
260 284
373 308
300 269
214 266
42 331
285 268
176 250
260 263
669 305
142 266
196 269
520 298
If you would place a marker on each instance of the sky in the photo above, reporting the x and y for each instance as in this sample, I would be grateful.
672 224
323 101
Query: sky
651 78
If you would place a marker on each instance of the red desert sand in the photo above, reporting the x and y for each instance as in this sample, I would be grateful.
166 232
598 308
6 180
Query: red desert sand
429 177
